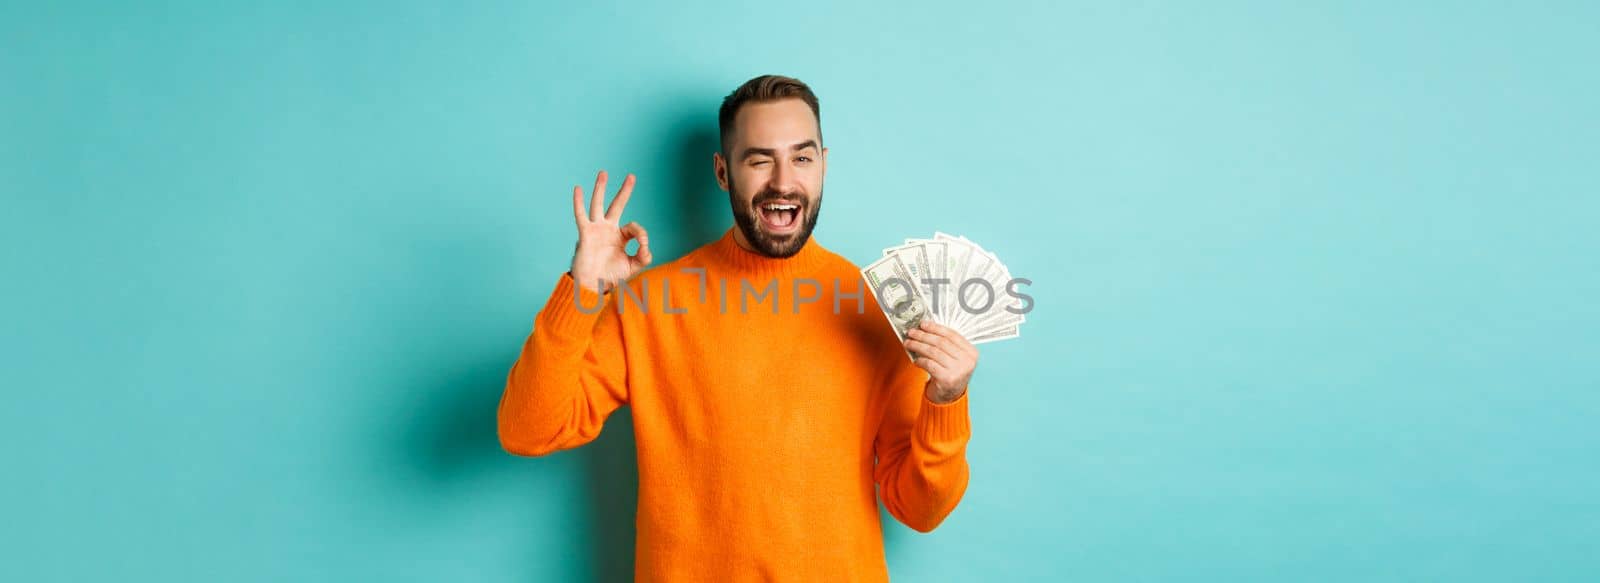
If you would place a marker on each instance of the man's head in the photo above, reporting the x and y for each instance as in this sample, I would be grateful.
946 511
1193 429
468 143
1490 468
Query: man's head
772 163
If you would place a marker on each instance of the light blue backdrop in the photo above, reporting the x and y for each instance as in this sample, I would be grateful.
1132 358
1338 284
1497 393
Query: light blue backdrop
1315 284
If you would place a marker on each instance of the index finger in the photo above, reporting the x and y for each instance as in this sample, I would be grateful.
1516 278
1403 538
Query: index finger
614 213
950 334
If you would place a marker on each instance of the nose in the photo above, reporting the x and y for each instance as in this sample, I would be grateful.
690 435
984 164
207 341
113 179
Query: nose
783 178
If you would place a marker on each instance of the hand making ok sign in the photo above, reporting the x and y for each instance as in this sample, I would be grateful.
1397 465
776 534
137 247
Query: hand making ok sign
601 260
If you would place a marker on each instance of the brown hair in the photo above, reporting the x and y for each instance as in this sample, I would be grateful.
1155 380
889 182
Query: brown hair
763 89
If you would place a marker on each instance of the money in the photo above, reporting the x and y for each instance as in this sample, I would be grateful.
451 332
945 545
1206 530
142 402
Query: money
950 280
897 294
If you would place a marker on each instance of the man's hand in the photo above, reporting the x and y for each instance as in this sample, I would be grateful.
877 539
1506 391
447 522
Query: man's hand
948 358
602 254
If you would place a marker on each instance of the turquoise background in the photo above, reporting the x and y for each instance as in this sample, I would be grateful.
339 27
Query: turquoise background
1315 283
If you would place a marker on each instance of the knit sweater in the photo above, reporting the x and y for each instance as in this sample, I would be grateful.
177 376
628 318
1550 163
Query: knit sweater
769 397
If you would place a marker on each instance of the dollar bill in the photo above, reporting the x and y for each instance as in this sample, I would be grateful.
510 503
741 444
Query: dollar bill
915 259
898 295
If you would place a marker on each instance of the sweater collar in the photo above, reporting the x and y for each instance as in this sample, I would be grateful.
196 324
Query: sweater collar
755 265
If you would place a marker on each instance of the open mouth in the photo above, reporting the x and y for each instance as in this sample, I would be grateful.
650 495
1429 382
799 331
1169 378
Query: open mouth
780 217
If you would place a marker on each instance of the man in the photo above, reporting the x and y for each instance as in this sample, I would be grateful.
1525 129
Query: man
762 427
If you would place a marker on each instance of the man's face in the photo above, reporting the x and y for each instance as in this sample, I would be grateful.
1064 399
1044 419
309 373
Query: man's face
773 175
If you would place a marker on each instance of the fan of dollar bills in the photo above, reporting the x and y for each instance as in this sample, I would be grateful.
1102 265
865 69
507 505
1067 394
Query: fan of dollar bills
923 277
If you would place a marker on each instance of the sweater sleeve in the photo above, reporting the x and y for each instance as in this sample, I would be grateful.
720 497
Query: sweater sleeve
570 376
921 448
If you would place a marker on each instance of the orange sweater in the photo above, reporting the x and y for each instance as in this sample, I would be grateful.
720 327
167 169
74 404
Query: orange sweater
757 417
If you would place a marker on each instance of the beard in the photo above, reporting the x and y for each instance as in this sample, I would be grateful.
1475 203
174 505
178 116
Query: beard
748 219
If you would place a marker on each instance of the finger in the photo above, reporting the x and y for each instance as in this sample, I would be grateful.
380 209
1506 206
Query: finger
943 344
634 230
933 327
577 205
644 249
956 342
599 196
928 350
932 366
614 213
961 343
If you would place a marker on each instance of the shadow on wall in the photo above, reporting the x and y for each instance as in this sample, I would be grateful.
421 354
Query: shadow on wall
699 210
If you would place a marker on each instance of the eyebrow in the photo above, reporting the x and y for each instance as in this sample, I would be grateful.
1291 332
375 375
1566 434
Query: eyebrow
748 152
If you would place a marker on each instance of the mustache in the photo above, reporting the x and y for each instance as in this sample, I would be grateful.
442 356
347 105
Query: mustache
771 197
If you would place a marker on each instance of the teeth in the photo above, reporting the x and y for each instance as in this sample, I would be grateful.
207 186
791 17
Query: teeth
781 207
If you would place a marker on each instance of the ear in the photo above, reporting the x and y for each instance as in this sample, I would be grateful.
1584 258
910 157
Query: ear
824 160
719 167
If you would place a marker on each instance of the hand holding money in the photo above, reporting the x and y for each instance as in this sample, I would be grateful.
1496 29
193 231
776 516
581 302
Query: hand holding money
948 358
942 296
